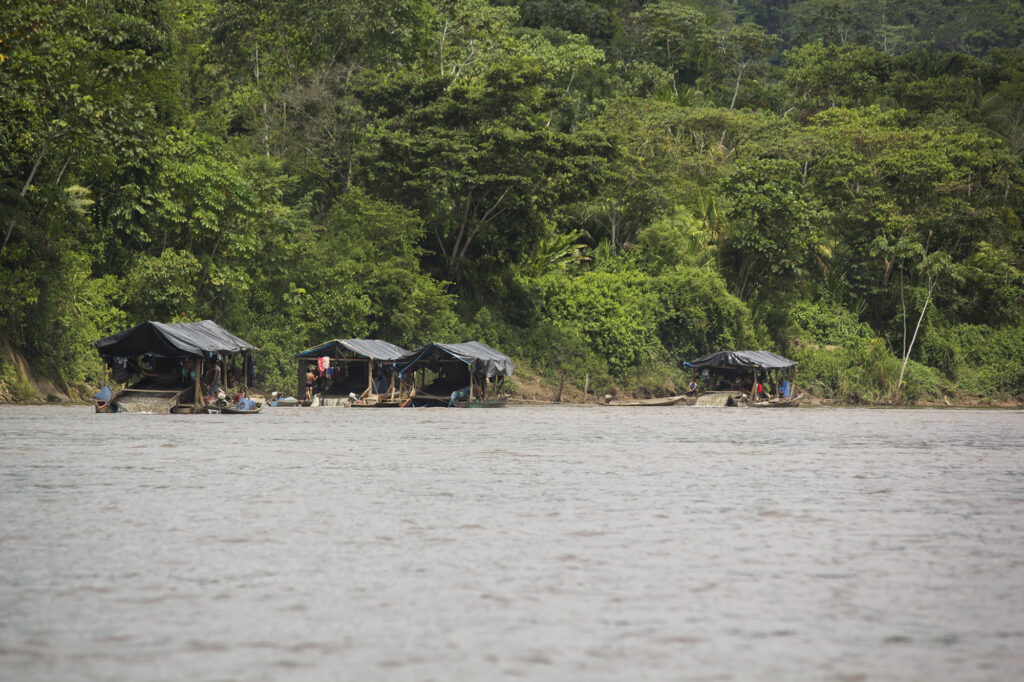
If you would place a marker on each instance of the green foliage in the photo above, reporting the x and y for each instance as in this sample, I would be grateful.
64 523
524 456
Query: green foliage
696 315
598 187
478 160
864 372
820 77
981 359
162 288
366 279
72 310
646 177
13 385
921 382
679 239
824 323
774 226
609 310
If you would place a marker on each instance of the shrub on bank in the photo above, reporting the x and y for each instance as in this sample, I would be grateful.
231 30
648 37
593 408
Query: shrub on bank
865 372
14 387
640 328
981 359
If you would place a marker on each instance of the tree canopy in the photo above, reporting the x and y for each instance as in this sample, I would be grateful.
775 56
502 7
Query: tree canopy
598 187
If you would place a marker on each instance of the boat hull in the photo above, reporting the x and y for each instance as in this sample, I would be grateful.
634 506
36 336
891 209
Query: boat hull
652 402
228 409
485 403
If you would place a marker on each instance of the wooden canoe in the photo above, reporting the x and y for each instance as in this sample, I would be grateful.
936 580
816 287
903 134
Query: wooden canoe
648 402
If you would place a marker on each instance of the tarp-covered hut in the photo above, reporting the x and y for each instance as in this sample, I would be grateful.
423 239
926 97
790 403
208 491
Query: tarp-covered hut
469 374
340 367
745 370
168 359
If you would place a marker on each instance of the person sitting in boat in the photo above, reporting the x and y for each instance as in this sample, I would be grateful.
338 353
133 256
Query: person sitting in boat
692 387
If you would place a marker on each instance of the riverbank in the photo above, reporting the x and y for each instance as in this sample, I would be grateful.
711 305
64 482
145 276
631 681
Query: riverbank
534 390
19 385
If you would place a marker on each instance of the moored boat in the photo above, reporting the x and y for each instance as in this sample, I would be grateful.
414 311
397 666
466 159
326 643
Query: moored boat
752 378
173 368
650 402
469 374
349 373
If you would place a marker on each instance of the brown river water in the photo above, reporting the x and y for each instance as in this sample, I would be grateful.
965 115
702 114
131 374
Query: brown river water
538 543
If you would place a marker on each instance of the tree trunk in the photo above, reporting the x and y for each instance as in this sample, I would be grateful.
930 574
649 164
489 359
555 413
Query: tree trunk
28 183
909 347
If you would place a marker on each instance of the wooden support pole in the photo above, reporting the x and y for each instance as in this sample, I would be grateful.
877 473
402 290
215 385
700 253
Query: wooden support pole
198 399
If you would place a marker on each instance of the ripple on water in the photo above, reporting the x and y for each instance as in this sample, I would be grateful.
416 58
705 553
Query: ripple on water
546 543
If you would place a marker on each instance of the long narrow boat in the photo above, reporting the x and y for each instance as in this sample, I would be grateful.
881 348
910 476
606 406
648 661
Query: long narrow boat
648 402
778 402
500 401
231 409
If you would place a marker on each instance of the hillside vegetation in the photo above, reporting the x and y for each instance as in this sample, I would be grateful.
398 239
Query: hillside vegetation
598 188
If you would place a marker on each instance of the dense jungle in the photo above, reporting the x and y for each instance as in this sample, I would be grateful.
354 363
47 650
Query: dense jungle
601 189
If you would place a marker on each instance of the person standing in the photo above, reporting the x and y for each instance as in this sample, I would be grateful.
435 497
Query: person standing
310 380
214 378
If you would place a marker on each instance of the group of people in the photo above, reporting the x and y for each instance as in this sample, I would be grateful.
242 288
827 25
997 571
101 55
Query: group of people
210 380
748 384
740 382
318 374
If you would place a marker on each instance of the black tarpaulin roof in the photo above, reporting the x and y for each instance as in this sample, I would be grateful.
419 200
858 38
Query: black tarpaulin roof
172 340
736 359
368 348
481 358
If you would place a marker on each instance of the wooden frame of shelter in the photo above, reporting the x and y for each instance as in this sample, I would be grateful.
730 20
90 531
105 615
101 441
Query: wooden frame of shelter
177 359
737 363
351 357
469 374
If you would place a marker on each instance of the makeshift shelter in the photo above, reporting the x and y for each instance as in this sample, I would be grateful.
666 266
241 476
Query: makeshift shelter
344 367
470 374
744 371
175 367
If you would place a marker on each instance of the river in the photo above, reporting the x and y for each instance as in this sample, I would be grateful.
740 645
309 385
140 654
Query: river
538 543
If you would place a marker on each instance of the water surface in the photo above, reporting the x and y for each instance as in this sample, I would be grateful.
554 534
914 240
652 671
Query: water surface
549 543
